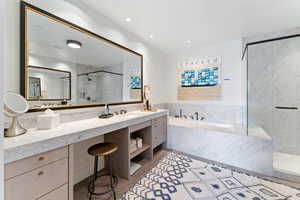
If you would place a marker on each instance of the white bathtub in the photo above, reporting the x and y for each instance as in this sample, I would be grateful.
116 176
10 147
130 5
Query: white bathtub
214 126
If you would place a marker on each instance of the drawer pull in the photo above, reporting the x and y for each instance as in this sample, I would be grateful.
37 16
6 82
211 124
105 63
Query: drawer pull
41 158
41 173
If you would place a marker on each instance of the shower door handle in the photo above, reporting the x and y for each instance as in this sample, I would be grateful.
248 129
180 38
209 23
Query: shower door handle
286 108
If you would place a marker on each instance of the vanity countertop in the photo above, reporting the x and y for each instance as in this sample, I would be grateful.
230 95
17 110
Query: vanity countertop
39 141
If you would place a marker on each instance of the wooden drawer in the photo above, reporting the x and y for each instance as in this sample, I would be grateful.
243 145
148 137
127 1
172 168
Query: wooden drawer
35 184
155 141
159 131
22 166
58 194
139 126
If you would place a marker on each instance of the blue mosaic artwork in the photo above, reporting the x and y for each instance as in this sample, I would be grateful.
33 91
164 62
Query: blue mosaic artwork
201 77
179 177
136 82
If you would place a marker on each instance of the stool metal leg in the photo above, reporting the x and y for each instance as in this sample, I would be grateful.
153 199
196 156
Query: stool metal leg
94 176
111 177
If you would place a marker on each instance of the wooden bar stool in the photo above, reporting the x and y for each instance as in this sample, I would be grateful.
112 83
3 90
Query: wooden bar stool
103 149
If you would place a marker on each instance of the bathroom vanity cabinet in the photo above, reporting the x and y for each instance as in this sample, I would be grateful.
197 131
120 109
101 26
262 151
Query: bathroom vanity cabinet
48 174
44 176
159 131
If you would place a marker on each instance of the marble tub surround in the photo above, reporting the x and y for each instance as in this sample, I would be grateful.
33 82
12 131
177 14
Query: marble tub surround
202 124
39 141
237 150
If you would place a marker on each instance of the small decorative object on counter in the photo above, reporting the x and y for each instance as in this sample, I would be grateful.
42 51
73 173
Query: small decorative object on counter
147 104
48 120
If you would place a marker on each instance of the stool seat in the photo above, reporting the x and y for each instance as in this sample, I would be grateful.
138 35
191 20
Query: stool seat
102 149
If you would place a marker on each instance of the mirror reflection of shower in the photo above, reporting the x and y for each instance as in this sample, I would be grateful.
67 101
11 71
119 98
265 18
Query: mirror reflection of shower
100 86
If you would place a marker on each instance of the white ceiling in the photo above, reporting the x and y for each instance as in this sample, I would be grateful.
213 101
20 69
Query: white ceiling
173 22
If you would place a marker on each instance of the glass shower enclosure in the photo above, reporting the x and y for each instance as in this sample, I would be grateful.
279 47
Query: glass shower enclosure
273 98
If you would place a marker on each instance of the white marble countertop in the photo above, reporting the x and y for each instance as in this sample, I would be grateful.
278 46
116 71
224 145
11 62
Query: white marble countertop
39 141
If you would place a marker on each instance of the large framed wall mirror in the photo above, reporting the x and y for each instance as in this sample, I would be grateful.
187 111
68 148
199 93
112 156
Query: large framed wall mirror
66 66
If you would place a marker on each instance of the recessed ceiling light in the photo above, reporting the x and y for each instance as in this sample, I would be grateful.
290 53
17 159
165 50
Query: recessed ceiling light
151 36
74 44
189 41
128 19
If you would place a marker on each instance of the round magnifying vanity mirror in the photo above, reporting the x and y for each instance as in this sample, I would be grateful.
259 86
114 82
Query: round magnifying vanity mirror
14 105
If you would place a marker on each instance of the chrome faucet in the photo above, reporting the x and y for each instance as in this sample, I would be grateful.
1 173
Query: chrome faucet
106 109
106 114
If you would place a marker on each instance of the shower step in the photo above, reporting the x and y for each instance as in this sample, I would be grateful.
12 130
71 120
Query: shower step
288 164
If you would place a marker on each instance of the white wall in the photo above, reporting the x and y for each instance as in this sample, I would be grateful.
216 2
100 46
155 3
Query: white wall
154 62
231 52
2 15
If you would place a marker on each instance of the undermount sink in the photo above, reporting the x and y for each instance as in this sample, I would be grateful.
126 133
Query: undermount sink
105 116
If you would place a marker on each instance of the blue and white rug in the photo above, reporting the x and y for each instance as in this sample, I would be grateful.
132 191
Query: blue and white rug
179 177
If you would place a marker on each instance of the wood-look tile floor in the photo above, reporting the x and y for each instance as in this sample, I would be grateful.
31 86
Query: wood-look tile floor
81 193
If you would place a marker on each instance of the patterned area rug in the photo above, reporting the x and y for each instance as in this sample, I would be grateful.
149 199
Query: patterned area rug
179 177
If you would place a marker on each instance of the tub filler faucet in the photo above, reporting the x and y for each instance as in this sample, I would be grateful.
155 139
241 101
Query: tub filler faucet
197 115
180 113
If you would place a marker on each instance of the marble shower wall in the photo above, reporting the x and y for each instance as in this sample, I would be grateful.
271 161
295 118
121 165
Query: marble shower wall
274 80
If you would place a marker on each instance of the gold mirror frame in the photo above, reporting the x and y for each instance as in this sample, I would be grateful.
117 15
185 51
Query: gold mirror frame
24 56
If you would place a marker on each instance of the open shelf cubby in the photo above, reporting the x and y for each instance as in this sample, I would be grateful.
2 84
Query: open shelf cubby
123 157
139 151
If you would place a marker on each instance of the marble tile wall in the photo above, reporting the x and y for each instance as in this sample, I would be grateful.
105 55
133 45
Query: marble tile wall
29 120
211 112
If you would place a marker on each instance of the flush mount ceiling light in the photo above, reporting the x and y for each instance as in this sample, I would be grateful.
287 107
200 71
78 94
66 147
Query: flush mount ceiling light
189 41
74 44
128 19
151 36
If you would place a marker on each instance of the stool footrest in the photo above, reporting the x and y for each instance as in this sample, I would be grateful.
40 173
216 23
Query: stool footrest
115 182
